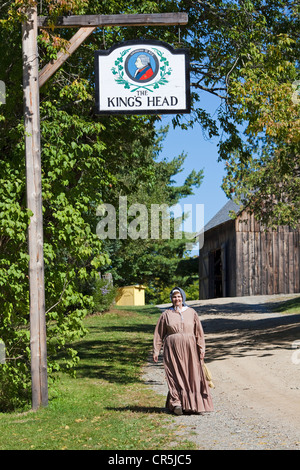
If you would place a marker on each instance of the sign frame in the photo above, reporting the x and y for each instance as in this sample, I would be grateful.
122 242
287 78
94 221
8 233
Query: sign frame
144 44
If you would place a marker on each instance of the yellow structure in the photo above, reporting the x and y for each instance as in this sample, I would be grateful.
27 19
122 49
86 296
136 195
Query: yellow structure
131 296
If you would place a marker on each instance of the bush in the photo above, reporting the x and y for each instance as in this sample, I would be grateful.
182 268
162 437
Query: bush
104 295
15 390
192 291
155 295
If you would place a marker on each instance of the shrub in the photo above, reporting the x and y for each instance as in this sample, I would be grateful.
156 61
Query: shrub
162 295
104 295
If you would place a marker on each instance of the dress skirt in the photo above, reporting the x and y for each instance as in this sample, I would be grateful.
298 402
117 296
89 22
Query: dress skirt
185 377
182 339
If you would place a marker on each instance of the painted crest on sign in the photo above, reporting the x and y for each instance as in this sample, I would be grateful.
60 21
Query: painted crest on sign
140 68
142 77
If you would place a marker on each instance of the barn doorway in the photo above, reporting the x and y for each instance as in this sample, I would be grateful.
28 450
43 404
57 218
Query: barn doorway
217 273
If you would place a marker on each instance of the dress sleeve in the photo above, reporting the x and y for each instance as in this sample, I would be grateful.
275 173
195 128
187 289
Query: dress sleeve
159 334
199 334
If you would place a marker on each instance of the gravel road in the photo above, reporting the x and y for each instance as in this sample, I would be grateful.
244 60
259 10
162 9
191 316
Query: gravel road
256 370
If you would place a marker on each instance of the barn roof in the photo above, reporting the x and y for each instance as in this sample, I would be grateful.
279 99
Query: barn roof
222 216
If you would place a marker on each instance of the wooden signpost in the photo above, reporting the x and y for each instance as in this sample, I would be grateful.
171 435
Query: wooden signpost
34 204
32 81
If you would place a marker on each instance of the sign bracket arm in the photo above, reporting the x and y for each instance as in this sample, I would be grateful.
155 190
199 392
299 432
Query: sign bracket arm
62 56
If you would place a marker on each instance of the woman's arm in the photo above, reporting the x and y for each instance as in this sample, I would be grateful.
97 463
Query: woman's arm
159 334
199 334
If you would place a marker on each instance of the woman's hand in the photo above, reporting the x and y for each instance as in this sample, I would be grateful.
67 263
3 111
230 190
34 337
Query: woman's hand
155 357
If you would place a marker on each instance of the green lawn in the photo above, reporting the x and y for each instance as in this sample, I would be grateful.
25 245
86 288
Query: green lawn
288 306
107 406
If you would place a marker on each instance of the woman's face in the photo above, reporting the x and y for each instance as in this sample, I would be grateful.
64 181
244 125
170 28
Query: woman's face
177 299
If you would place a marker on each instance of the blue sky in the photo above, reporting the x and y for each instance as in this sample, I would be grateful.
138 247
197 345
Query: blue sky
202 153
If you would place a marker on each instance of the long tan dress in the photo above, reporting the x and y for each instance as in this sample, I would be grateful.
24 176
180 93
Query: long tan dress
182 338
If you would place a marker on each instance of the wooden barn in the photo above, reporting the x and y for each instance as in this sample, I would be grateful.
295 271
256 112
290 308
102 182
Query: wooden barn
239 257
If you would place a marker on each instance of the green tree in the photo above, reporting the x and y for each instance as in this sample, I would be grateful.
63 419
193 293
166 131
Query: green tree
139 258
263 173
247 53
146 260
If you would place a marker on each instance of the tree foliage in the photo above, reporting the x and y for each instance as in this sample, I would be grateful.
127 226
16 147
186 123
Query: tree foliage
247 53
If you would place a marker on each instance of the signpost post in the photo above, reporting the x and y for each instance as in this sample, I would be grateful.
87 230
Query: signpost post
34 204
31 75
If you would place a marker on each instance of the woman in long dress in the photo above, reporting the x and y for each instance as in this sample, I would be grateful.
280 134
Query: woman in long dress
180 332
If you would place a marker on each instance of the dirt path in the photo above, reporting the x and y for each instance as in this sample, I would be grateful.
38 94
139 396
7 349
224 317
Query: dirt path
256 371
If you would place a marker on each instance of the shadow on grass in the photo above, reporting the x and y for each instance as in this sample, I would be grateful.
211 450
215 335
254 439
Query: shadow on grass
143 309
139 409
288 305
115 357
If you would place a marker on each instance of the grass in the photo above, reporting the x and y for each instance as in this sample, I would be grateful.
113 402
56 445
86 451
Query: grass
107 406
288 306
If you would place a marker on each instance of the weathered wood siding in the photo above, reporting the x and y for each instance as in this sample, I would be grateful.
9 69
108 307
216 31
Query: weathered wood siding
267 261
255 261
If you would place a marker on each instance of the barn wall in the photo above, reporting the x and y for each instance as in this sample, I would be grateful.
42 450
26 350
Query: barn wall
267 262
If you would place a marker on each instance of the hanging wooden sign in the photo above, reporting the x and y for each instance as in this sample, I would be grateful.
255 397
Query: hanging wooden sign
142 77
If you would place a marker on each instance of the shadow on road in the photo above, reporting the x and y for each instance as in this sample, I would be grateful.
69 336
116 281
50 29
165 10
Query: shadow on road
235 328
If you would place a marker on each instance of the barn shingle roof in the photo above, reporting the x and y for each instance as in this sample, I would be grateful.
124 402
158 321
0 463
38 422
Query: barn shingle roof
222 216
